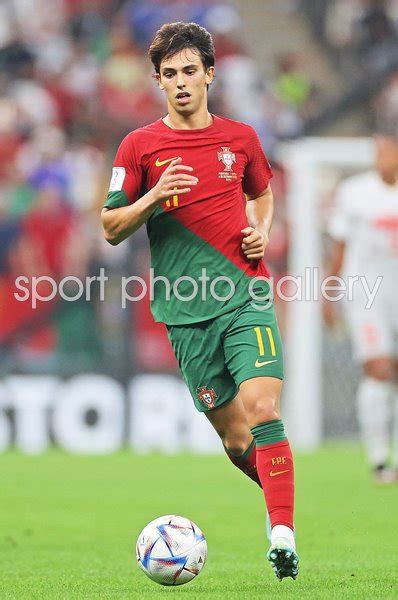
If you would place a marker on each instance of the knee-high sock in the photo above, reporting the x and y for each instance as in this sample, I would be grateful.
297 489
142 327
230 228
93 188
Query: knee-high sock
246 462
276 471
373 399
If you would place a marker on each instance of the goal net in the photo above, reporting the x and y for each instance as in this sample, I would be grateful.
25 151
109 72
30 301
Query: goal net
321 377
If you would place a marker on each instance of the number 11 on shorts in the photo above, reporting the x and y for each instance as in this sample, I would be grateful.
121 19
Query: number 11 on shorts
260 341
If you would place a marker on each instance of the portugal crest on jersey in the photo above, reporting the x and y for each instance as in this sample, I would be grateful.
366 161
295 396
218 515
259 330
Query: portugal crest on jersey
206 396
228 159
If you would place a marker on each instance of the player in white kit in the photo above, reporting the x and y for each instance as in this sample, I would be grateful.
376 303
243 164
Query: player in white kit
364 229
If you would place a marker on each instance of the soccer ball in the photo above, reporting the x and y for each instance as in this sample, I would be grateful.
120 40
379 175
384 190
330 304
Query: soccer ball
171 550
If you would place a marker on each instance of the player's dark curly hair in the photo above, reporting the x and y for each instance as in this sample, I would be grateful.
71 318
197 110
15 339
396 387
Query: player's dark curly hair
174 37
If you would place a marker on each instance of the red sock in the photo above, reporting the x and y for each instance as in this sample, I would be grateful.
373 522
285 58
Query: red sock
247 462
276 472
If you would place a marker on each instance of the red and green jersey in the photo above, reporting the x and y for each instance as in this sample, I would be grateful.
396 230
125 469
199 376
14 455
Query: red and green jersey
197 235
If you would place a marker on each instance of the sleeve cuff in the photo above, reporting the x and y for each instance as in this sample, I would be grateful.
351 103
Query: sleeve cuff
116 200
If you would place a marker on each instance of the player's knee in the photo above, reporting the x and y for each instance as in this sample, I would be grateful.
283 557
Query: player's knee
237 447
262 410
381 369
236 439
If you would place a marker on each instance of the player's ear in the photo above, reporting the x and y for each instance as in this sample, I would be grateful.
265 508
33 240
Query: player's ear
159 81
210 75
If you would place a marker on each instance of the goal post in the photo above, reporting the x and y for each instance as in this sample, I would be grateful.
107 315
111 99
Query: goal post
304 387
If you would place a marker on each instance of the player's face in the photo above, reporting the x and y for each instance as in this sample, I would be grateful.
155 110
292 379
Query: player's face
387 156
185 80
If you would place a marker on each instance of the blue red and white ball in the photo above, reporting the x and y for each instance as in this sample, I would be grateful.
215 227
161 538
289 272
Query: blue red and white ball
171 550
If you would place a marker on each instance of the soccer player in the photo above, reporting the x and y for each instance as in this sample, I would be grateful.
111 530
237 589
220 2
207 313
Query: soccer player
200 182
365 232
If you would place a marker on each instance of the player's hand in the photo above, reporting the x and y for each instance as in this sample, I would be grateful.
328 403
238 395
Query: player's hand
173 181
254 243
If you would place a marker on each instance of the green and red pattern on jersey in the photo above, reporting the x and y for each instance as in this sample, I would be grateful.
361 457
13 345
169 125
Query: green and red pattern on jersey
201 229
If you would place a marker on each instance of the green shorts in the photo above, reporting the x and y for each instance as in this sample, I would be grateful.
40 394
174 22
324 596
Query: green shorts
216 356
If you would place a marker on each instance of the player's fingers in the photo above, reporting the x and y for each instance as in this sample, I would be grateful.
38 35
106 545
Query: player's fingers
174 162
182 191
247 230
254 250
257 248
253 238
254 243
255 235
181 176
179 192
173 168
179 182
173 188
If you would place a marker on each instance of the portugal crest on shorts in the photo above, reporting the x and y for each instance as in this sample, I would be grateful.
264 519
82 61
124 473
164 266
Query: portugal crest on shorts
228 158
206 396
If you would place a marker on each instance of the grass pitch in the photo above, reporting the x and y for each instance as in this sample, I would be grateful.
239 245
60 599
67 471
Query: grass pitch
68 527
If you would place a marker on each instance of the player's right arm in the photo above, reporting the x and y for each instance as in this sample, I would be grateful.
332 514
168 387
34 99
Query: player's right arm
122 221
333 269
338 229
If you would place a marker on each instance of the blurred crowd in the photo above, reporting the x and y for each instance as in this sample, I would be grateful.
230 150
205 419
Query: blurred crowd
364 36
365 28
74 79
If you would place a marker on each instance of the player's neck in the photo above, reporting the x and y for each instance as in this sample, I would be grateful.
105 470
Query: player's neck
197 120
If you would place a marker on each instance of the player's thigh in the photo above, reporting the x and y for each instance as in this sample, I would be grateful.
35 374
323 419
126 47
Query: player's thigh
252 344
254 356
371 333
200 356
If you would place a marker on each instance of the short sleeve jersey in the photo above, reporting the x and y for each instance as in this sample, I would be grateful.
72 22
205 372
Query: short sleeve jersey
198 268
366 219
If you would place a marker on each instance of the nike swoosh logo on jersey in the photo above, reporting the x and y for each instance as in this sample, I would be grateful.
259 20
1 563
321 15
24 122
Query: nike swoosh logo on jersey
258 363
274 473
160 163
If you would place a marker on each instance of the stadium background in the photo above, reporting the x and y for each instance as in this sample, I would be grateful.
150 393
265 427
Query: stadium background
74 80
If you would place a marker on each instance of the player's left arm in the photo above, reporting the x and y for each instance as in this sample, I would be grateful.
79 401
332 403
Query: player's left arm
260 212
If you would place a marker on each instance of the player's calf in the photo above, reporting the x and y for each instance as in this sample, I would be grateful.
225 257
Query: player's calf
231 425
276 471
246 461
275 467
